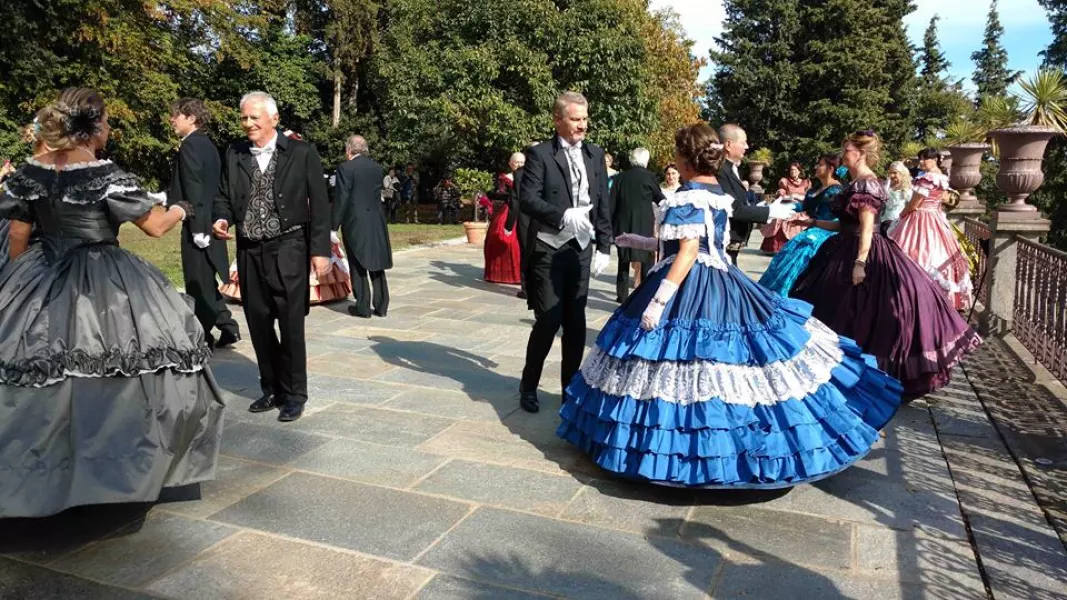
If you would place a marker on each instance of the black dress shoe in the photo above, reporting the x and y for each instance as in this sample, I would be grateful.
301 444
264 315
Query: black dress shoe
352 310
379 313
291 411
263 404
521 294
528 401
227 339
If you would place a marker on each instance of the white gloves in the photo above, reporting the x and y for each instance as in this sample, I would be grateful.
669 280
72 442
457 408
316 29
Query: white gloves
654 312
577 220
202 240
333 238
600 262
632 240
780 210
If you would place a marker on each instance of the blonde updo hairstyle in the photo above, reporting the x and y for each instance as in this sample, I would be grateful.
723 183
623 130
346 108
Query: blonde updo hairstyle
868 143
72 119
698 145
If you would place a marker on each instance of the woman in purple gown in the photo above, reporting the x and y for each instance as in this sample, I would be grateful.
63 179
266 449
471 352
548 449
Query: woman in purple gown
864 287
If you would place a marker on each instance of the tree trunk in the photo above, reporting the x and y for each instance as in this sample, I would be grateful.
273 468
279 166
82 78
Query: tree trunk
336 98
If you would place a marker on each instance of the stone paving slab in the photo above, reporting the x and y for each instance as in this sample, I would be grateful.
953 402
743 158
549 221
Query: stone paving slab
249 566
374 520
508 487
21 581
575 561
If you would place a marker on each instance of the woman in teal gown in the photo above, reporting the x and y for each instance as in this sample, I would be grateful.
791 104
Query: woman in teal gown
792 259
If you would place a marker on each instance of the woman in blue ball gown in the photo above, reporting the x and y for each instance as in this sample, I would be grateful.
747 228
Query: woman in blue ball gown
791 261
704 378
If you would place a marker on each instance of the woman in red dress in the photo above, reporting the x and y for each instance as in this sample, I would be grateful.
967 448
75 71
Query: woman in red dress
502 263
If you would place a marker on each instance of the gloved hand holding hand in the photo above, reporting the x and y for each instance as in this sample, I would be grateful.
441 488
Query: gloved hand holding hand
633 240
577 219
654 312
779 210
600 262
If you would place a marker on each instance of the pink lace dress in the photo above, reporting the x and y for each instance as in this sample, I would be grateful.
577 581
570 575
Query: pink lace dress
927 238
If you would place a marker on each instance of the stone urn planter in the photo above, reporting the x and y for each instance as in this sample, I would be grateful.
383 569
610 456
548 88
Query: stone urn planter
755 175
1022 150
946 161
967 172
475 232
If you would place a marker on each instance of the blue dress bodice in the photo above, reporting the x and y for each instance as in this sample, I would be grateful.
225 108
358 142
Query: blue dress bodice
691 215
817 202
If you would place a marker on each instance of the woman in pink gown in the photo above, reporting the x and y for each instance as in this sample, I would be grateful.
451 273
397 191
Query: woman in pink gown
924 234
791 189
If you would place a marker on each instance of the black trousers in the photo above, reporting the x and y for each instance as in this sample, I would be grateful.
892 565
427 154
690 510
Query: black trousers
622 280
202 287
558 287
362 289
274 287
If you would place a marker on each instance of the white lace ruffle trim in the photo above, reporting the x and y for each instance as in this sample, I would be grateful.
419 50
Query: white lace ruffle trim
708 202
700 380
67 374
688 231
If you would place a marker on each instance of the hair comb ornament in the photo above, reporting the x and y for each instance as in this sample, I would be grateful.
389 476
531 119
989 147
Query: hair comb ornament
715 146
82 123
867 133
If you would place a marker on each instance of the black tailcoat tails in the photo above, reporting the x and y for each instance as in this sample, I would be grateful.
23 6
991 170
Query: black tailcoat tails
274 272
195 179
366 235
557 279
744 214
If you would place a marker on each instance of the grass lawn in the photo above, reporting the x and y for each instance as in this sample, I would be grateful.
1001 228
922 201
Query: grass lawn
165 253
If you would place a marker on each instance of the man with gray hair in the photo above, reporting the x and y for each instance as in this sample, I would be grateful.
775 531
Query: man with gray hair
357 213
273 190
635 193
735 142
564 190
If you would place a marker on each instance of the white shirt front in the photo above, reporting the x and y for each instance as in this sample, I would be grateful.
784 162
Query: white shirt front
264 155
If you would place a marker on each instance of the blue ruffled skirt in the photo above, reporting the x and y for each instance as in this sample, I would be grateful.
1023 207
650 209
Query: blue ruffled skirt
791 260
736 388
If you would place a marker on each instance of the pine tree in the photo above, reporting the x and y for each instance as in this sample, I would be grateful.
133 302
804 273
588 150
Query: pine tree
934 63
939 100
756 80
1056 53
991 75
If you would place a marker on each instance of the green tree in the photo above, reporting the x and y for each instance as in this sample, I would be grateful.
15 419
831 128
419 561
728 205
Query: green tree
1050 197
756 79
939 101
991 76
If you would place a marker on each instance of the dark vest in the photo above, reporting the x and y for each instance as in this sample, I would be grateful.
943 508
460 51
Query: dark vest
261 219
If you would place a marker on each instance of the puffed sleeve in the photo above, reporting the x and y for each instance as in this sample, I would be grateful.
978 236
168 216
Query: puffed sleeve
127 200
18 194
683 221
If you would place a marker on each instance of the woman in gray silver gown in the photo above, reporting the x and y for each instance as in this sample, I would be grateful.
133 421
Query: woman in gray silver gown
105 391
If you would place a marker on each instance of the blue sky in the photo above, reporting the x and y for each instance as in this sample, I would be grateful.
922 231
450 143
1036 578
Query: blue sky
962 24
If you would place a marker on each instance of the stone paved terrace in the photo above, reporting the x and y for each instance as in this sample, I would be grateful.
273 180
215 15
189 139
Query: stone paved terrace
414 475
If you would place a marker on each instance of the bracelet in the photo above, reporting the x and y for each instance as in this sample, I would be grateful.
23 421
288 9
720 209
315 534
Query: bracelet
861 262
658 301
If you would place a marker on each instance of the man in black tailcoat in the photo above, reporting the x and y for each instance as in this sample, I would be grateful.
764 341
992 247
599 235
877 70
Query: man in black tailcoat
356 212
195 179
735 143
273 190
565 192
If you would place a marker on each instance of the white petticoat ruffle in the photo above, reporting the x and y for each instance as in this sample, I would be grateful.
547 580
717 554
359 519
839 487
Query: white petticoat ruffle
701 380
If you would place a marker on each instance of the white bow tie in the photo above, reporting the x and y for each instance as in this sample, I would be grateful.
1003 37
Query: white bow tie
257 151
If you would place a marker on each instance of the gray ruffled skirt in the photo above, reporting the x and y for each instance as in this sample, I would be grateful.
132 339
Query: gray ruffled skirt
105 391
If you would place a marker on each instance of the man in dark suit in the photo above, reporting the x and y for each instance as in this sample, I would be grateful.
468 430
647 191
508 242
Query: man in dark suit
195 179
565 192
633 195
273 190
357 213
735 143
